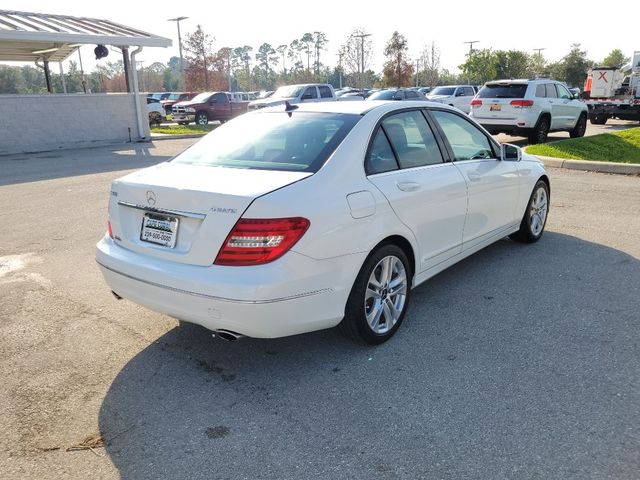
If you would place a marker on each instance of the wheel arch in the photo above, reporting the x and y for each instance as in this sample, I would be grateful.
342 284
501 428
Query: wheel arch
404 245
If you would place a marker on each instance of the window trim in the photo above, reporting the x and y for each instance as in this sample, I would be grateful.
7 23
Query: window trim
444 153
452 157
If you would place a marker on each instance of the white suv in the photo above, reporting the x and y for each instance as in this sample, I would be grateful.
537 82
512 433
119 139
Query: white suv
531 108
457 96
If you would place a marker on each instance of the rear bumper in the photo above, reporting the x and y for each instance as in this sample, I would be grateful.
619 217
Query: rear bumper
295 294
511 128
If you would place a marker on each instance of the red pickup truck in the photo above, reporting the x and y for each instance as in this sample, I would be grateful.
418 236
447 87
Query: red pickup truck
209 107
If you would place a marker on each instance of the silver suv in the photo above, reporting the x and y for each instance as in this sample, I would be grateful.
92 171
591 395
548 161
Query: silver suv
530 108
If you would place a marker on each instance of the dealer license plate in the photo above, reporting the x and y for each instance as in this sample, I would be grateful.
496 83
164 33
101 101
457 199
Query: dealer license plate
159 229
495 108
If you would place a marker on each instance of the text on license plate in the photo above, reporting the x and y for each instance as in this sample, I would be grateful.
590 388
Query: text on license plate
495 108
159 229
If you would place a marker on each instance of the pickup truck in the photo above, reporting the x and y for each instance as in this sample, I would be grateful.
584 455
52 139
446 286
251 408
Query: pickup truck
209 107
301 93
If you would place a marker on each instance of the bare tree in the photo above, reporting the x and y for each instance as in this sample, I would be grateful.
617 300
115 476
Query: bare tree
430 61
282 50
307 41
319 42
357 52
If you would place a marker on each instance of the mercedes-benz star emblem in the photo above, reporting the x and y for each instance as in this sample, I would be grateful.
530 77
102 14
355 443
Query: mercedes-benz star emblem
151 198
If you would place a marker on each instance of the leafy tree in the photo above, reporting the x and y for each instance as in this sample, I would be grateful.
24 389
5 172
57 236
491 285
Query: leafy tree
266 57
319 43
199 54
11 80
537 64
512 64
282 50
397 70
615 59
479 67
307 43
448 78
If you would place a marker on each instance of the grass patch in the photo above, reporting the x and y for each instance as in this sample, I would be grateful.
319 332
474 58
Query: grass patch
619 147
182 129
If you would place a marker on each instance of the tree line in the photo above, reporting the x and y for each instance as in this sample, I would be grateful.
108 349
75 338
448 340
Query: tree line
304 60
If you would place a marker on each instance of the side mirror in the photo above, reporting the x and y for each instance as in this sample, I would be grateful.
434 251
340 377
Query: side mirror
510 152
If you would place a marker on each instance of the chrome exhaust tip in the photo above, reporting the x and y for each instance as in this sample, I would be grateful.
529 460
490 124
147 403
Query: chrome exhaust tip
227 335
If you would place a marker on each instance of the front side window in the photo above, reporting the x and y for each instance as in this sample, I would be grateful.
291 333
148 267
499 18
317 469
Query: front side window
291 141
466 140
412 139
469 92
310 93
563 92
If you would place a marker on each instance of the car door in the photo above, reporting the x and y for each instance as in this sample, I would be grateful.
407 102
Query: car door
555 106
570 109
405 162
326 95
463 98
492 184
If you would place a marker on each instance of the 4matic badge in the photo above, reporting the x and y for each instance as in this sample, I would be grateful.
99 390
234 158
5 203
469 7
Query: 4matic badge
223 210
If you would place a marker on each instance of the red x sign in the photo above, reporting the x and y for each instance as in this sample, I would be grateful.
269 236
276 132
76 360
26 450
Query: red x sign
603 76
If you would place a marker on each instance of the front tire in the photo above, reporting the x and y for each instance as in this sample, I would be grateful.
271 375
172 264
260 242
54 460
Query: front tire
379 297
202 118
535 216
580 128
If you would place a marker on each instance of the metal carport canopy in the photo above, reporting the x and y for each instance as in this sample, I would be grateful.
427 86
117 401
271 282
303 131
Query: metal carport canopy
31 37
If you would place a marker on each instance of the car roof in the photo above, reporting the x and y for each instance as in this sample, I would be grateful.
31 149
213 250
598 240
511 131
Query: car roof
356 108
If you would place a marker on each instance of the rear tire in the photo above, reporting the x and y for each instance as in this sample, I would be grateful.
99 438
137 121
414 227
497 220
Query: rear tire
379 297
535 216
580 128
598 119
540 131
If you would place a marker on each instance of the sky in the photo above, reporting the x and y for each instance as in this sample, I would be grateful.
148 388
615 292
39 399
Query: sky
547 24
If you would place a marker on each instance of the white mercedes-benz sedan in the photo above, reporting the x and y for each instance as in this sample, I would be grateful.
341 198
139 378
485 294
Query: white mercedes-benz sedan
303 217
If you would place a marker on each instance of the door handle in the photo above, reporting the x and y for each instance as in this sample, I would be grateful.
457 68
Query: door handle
408 186
474 177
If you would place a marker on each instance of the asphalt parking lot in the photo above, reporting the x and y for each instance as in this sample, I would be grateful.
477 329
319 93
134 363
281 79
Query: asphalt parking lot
519 362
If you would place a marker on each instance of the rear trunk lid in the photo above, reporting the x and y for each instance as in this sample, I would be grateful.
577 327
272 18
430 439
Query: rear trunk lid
183 213
497 101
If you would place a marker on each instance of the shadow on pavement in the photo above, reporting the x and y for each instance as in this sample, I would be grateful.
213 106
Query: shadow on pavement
521 361
33 167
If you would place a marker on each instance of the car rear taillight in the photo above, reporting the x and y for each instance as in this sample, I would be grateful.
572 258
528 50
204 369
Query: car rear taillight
522 103
476 103
109 230
256 241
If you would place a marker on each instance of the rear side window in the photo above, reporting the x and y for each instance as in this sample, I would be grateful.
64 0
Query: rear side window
469 92
551 90
412 94
508 90
466 140
380 158
540 91
412 139
325 92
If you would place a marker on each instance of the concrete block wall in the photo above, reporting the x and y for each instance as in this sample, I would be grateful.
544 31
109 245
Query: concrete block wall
32 123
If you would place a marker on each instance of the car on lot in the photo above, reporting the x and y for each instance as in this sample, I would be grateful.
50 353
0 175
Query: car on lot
174 98
155 111
303 217
293 94
530 108
396 94
209 107
458 96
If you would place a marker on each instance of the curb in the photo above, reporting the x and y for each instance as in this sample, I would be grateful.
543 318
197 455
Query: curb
591 166
166 136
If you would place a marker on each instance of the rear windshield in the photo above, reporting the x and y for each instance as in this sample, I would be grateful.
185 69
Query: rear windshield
383 95
296 141
510 90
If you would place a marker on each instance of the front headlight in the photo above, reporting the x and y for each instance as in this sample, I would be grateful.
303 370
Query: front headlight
190 110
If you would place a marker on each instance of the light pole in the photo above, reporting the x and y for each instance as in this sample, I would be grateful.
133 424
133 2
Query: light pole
178 20
340 55
538 50
470 52
362 36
